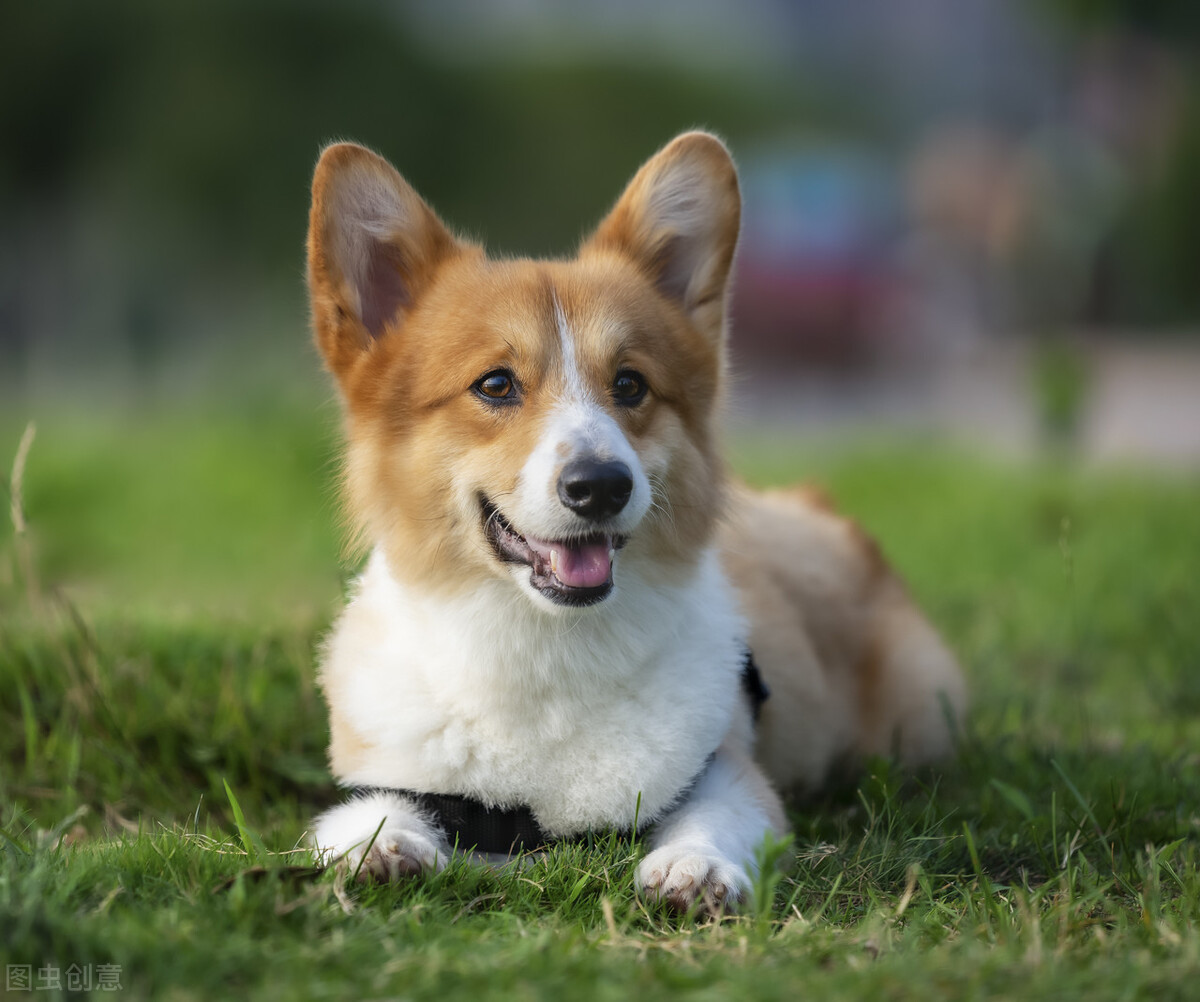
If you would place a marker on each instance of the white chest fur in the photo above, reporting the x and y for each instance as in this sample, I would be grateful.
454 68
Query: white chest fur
576 713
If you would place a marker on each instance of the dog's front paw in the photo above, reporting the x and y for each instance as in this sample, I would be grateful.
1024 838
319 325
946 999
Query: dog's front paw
394 854
684 875
379 836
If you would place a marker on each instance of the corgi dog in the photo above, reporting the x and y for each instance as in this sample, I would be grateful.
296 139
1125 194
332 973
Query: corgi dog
570 613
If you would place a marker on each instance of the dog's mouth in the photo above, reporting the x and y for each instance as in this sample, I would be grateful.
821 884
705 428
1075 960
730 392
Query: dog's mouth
577 571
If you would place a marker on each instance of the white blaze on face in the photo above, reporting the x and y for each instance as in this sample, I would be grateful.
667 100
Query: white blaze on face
577 427
574 387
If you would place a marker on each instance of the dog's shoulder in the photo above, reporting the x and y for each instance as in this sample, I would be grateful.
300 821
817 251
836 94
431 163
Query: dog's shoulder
795 540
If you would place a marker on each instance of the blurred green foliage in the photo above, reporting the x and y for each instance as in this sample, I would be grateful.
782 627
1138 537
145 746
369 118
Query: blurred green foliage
1175 20
1157 242
156 157
218 111
1060 385
1152 254
155 168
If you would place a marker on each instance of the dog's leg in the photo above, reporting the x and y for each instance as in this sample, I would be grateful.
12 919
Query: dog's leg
703 851
382 836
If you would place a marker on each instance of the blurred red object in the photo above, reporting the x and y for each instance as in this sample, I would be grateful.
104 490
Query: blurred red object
814 273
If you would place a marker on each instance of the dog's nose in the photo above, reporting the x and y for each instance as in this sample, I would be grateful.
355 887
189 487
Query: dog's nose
595 490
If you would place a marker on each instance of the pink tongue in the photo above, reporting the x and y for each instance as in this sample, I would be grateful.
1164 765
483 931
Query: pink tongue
577 565
586 566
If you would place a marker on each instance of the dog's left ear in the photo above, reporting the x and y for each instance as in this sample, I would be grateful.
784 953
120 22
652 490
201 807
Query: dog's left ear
678 220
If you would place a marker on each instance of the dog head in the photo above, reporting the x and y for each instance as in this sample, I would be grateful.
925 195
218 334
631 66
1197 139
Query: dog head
547 422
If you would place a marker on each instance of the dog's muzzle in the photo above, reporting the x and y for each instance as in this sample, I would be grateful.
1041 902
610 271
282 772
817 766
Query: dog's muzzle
577 570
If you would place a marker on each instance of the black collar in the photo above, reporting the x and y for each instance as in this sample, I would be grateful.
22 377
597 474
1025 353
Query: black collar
471 824
753 685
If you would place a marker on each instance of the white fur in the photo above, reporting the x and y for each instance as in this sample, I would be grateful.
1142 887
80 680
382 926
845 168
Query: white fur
575 386
706 846
384 828
574 429
575 714
596 719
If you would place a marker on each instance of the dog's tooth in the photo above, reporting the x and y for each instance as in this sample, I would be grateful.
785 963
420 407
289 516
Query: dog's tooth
554 561
612 555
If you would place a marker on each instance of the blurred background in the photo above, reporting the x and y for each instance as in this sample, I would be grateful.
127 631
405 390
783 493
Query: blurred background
975 220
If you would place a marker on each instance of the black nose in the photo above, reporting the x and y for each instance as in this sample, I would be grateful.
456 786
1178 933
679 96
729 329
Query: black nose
595 490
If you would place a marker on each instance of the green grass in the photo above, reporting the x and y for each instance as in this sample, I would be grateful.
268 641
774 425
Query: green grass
162 749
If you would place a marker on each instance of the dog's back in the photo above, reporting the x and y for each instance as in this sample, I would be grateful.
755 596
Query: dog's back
853 667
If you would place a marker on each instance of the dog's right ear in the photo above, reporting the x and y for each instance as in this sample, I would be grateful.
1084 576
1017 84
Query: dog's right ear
373 245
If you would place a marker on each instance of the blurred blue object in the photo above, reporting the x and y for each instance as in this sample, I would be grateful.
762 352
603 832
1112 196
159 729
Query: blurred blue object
814 273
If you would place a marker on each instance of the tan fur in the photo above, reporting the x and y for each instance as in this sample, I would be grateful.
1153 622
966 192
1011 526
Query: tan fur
838 641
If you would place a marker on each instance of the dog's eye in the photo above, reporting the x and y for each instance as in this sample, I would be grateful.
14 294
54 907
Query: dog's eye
498 386
628 388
